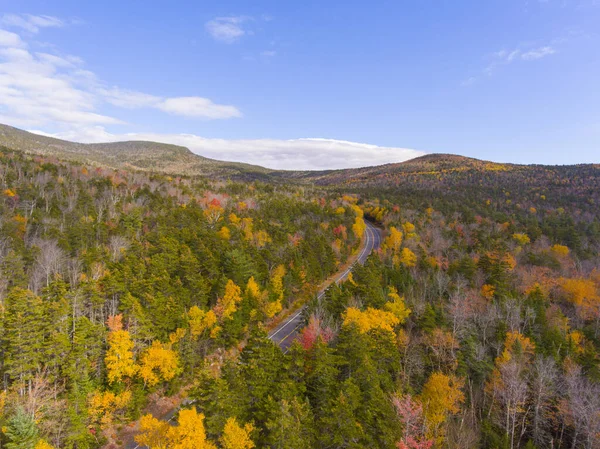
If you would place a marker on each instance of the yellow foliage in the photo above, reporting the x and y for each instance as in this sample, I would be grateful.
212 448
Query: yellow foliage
359 227
350 278
440 397
235 436
227 305
578 340
199 320
9 193
119 356
532 210
103 405
43 444
153 433
252 288
488 291
521 239
370 319
261 238
408 258
190 433
234 219
397 306
176 336
408 227
158 363
247 225
224 233
560 250
277 282
340 211
213 213
514 343
393 240
578 290
272 308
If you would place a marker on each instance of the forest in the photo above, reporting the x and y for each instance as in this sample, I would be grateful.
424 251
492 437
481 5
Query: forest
476 323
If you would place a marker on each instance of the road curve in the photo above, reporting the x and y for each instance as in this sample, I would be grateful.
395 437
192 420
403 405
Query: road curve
284 334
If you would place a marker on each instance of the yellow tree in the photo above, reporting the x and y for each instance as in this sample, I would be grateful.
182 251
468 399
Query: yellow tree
43 444
224 233
397 306
441 396
370 319
102 406
199 321
157 363
359 227
188 434
119 356
227 305
408 258
393 240
235 436
153 433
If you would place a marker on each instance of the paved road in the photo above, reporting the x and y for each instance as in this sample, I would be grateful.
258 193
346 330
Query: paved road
286 332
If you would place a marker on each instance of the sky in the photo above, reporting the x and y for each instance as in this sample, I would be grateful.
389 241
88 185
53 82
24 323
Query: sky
310 84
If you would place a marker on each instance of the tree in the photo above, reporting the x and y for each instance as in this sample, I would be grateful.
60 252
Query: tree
157 363
292 426
188 434
235 436
393 240
441 397
119 356
21 431
397 306
408 258
200 321
227 305
23 336
370 319
410 414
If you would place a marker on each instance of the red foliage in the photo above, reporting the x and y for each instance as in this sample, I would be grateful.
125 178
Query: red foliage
314 330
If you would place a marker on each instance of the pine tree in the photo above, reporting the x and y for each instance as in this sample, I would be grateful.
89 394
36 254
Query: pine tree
21 431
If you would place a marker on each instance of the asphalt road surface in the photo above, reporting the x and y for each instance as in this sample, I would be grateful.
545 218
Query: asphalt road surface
287 331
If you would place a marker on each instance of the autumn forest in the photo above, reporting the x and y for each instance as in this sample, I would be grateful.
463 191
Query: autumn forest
136 306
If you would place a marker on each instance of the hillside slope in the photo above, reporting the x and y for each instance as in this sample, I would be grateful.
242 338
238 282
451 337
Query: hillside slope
138 155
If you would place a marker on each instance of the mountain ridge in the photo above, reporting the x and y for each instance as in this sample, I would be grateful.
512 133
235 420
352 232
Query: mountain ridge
179 160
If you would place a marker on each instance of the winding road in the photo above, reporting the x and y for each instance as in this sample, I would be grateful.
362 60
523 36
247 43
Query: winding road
284 334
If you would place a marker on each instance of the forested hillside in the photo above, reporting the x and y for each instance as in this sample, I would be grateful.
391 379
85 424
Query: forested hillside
475 325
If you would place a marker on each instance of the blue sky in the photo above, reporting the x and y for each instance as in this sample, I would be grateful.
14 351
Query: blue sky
311 84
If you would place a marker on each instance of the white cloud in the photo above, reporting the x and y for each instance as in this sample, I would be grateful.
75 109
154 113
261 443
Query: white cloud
42 88
227 29
294 154
8 39
505 57
198 107
538 53
30 22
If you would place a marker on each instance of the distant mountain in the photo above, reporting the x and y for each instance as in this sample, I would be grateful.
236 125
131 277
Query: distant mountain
138 155
432 171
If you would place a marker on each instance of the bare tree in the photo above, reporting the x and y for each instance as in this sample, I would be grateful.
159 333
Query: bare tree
49 261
